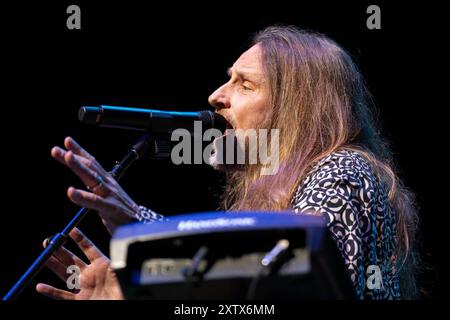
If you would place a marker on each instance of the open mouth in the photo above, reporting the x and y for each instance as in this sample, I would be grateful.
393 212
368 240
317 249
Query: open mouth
228 122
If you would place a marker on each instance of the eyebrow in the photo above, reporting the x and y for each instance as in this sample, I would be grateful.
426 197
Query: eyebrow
243 74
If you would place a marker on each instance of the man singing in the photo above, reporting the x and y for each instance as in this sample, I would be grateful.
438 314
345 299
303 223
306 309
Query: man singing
333 162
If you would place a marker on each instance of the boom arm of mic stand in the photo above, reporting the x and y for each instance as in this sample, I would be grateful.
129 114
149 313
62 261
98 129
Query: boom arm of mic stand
135 153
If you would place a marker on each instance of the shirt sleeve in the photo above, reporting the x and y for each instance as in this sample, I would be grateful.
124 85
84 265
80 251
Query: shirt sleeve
146 215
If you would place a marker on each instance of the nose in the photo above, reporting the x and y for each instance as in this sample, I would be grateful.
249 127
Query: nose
219 99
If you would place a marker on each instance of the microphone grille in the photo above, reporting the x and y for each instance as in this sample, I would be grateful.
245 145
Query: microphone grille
89 114
213 120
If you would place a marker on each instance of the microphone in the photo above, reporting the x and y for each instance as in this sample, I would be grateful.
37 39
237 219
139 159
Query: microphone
155 121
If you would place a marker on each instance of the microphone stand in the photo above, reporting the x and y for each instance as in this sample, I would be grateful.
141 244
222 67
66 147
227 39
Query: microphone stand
136 152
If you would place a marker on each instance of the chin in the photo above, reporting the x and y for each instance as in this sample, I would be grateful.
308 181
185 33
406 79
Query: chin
217 155
215 163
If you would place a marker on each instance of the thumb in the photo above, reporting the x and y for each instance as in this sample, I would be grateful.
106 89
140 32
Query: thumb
46 242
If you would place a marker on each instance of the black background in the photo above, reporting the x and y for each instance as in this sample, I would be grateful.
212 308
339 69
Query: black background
171 56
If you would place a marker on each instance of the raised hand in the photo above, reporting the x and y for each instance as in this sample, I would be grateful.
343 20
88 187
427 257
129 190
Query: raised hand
96 280
105 195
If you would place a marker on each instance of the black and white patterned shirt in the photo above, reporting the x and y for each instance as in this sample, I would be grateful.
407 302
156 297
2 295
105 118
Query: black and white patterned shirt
343 188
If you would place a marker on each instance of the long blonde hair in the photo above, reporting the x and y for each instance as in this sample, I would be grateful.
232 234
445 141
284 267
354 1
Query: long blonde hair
320 103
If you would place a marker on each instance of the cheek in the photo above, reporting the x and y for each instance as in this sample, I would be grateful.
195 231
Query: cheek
250 115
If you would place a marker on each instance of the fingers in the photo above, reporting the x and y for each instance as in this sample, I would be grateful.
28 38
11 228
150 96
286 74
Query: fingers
89 200
86 245
107 209
67 258
54 293
58 268
72 145
79 161
88 173
86 169
58 154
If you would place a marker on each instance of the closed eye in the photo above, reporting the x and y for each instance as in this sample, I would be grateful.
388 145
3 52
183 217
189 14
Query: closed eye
243 86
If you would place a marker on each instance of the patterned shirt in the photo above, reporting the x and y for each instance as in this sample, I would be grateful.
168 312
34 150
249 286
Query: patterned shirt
343 188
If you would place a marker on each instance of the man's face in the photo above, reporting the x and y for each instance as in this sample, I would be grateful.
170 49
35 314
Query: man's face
244 99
